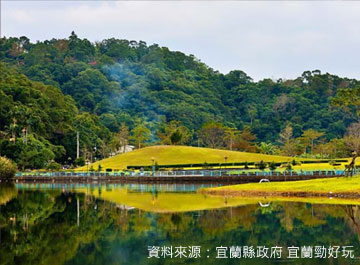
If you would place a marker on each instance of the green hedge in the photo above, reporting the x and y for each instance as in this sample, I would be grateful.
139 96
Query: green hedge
233 164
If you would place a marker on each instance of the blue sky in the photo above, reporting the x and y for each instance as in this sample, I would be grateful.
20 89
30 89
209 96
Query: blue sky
278 39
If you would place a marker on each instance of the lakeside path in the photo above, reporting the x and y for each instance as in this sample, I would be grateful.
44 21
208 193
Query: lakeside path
343 187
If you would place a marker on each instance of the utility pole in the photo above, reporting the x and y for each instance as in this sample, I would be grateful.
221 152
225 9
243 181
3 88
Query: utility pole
77 145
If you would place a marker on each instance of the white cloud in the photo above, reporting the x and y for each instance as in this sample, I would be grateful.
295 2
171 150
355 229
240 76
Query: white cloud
264 39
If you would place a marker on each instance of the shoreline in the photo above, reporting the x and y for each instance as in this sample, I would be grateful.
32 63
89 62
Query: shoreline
235 179
288 194
343 187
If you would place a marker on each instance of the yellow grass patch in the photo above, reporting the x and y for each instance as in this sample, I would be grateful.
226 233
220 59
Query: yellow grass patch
165 155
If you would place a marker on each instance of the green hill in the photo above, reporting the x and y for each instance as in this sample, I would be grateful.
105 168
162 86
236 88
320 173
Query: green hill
55 88
181 155
131 82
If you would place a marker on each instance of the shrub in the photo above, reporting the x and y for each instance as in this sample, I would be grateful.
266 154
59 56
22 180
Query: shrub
261 165
246 165
272 166
80 161
288 167
156 166
206 166
53 166
7 168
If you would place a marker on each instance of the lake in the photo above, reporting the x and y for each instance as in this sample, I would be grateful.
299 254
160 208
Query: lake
169 224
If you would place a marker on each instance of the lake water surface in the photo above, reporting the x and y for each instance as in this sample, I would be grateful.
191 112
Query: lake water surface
126 224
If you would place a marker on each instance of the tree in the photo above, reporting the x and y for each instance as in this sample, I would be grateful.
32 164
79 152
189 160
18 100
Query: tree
286 134
252 111
173 133
335 148
212 134
7 168
230 136
267 148
347 98
310 136
140 134
352 137
245 141
120 139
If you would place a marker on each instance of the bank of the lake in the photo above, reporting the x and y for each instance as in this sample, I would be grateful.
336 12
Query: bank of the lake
344 187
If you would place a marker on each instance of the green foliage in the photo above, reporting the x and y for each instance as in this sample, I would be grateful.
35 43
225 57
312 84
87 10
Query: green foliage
288 166
173 133
53 166
267 148
80 161
140 135
30 154
156 166
246 166
122 77
212 134
272 166
261 165
56 88
206 165
7 168
38 123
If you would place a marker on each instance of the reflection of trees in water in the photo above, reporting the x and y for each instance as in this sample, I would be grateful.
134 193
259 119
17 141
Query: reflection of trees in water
352 218
217 222
175 224
303 212
50 233
7 192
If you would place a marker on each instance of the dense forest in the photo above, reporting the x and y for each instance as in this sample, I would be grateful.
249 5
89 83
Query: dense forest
117 92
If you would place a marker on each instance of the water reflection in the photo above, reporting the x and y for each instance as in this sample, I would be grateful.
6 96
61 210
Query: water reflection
85 225
135 187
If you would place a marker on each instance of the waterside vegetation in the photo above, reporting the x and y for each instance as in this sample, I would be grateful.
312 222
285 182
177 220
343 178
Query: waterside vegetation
344 187
7 168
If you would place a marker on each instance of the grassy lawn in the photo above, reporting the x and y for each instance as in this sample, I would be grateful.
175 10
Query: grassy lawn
343 186
181 155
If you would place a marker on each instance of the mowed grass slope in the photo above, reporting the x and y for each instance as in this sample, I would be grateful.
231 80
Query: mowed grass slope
342 185
165 155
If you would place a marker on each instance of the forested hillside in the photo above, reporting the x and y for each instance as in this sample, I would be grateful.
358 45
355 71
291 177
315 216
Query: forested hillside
119 91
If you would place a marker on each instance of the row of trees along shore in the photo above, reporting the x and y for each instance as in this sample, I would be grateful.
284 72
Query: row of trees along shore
310 143
117 92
